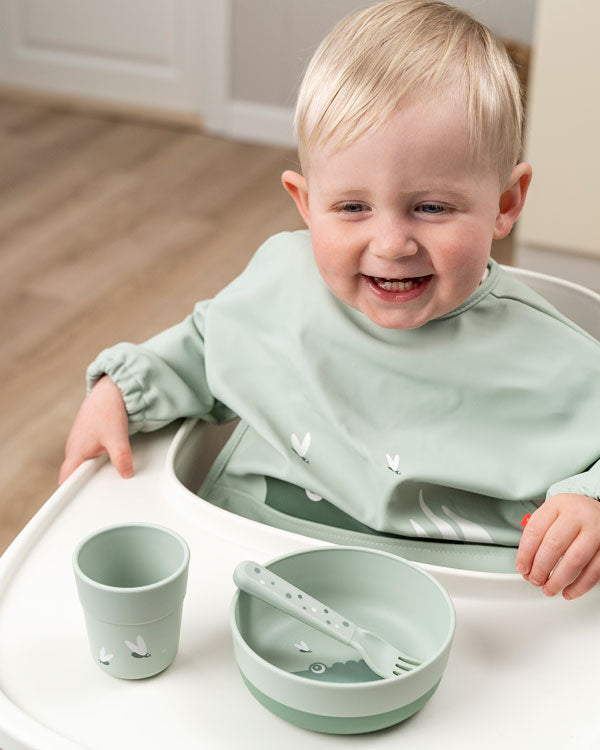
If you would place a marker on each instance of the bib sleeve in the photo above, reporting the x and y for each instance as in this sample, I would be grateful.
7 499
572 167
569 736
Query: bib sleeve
587 483
164 378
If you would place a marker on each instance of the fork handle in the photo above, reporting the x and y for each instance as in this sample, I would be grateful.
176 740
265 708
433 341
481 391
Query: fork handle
261 582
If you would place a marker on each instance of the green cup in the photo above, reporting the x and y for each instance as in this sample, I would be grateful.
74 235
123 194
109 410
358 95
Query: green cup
131 579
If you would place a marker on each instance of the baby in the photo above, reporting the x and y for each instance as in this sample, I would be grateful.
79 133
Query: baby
390 378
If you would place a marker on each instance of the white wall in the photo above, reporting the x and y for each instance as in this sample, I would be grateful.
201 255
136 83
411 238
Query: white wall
559 231
273 40
562 131
511 19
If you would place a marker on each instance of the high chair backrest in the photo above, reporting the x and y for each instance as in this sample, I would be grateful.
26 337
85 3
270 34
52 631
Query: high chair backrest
578 303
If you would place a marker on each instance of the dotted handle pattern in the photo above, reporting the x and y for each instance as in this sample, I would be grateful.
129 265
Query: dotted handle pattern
259 581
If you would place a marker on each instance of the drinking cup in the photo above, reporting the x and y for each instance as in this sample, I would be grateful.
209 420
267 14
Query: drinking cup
131 580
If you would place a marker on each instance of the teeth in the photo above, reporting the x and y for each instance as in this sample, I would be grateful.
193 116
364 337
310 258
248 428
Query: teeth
398 286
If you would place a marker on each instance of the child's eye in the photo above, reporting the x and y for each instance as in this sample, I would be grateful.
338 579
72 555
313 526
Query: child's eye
351 208
431 208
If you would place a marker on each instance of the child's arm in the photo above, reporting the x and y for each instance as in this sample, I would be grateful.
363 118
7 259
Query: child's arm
101 426
148 386
560 547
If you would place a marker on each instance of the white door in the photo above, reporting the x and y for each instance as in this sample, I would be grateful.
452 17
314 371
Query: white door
138 53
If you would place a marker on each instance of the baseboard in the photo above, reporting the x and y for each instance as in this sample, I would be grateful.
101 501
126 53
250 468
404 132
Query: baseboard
102 107
245 121
581 269
260 123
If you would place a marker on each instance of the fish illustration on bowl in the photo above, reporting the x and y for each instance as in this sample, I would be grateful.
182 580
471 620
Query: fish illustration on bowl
341 671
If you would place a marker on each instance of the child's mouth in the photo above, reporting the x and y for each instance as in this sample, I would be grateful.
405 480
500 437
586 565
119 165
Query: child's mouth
398 290
398 285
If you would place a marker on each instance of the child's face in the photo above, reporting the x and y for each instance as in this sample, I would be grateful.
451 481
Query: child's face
403 219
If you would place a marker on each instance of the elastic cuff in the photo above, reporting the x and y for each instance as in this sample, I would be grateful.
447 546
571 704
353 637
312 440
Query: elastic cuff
112 362
571 487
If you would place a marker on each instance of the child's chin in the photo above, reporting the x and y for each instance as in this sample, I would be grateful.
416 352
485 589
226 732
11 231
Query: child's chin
396 321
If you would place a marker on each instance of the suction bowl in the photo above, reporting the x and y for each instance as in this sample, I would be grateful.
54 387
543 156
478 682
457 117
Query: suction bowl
317 683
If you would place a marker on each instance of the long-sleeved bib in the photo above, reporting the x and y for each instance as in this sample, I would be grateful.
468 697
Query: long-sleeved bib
452 431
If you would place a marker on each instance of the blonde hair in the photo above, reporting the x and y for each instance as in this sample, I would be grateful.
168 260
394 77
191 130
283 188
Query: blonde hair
388 54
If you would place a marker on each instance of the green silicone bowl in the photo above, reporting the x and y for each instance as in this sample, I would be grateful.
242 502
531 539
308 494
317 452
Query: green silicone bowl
315 682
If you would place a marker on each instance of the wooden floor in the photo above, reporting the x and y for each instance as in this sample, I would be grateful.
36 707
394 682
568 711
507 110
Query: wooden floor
109 230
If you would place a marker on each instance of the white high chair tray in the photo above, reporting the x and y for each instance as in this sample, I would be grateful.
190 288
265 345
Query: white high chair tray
523 671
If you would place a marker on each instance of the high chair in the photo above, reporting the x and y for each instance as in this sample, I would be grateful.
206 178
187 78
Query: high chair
522 671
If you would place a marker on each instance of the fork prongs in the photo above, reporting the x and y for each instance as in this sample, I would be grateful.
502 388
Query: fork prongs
404 664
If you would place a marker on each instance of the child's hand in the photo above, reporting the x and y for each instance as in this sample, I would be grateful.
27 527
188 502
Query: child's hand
563 532
100 426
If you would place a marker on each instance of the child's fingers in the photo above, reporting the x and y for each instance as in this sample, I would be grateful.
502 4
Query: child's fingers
560 547
75 455
534 532
119 453
67 468
121 458
553 546
588 578
574 561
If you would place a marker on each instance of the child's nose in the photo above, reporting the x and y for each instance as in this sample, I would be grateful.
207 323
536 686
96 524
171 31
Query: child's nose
394 241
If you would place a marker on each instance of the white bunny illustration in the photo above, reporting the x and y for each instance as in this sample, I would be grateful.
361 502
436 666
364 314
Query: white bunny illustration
105 658
393 463
301 448
139 649
303 648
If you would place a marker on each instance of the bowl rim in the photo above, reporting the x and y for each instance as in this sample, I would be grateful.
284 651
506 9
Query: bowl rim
348 686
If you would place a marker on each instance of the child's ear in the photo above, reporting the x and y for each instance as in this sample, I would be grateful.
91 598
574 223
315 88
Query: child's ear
297 187
512 200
